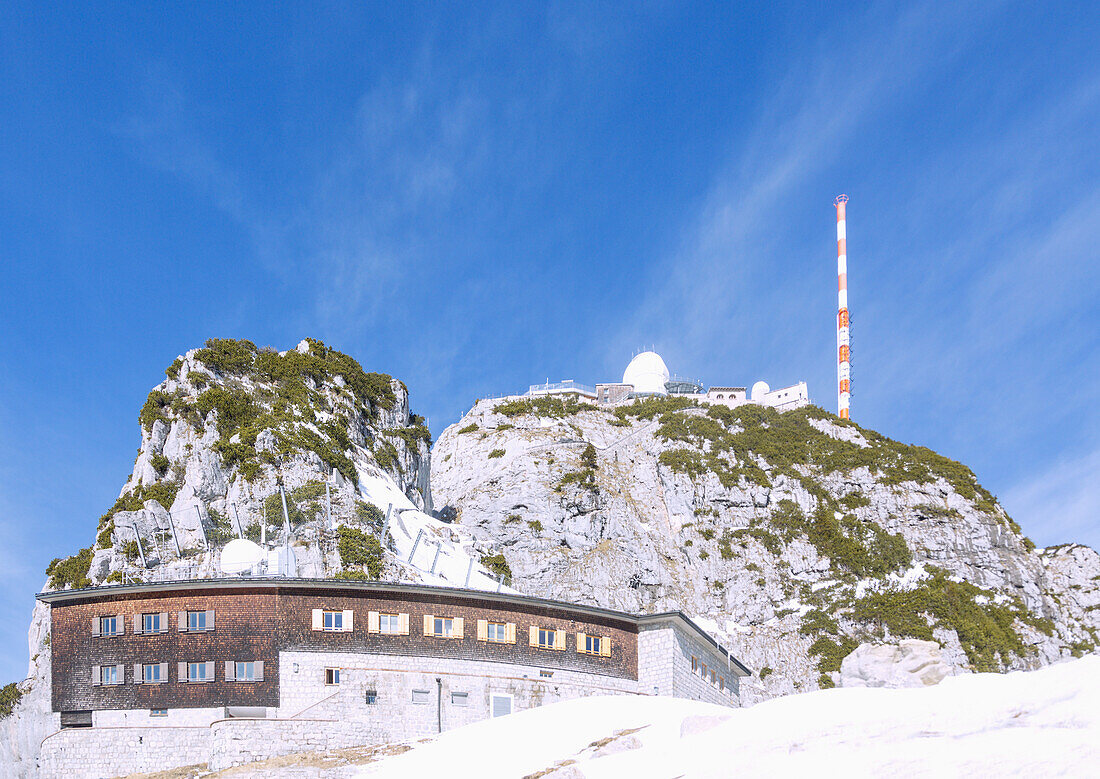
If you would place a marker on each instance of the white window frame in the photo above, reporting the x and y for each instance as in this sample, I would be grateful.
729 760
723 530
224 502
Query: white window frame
334 675
108 675
459 698
145 676
370 697
249 674
194 675
193 618
333 621
592 644
113 621
389 624
150 623
497 632
421 697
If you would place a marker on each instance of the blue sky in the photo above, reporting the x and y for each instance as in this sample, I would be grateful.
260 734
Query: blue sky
474 201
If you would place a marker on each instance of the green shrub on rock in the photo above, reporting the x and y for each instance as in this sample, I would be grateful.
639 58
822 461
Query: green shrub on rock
357 550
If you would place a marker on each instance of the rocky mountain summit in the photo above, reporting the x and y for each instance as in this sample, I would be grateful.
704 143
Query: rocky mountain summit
799 539
795 537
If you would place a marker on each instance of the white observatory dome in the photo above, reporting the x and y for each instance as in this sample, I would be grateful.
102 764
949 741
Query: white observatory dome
759 390
648 374
240 555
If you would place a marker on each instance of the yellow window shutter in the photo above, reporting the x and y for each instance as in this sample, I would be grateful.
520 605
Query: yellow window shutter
510 632
373 623
349 617
559 640
580 642
403 624
459 628
483 630
534 635
429 628
605 646
318 619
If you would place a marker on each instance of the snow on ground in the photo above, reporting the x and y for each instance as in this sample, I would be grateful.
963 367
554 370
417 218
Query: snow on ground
1033 724
455 565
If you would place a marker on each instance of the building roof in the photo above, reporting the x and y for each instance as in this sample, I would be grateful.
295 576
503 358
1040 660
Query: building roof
63 597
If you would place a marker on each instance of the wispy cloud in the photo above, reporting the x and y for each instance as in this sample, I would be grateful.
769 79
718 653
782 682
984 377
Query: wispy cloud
1060 504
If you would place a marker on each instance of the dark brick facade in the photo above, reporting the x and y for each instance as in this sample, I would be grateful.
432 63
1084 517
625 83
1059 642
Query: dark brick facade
256 623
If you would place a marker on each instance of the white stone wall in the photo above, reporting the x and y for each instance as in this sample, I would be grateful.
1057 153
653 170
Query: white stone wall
131 718
90 753
664 667
234 742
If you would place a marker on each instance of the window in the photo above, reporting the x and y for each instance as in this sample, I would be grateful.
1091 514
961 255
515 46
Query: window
443 627
498 632
200 672
459 698
713 678
421 696
158 712
108 674
546 674
151 673
245 672
592 645
242 671
196 620
704 671
332 676
547 638
389 623
371 697
694 664
110 626
334 621
151 623
501 705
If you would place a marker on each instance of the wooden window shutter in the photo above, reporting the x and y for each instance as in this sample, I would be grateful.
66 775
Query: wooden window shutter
95 626
181 670
403 624
348 617
373 625
510 632
483 630
120 672
429 628
164 622
120 623
137 624
230 670
559 640
259 666
580 642
458 630
210 619
318 619
534 635
605 646
164 672
138 679
209 670
97 677
181 621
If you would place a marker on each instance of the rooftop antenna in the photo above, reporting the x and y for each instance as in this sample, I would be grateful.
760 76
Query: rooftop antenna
843 322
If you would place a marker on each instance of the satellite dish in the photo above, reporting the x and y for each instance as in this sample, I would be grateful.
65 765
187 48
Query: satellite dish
759 390
240 555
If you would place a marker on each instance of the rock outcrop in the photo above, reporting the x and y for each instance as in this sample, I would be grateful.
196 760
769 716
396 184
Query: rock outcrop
793 537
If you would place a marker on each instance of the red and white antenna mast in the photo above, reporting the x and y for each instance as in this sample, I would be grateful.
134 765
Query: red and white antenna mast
843 341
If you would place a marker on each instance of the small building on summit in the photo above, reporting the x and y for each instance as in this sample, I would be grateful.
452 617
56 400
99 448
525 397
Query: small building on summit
647 376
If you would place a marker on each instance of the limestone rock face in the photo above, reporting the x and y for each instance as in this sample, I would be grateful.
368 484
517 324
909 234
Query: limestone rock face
753 523
909 663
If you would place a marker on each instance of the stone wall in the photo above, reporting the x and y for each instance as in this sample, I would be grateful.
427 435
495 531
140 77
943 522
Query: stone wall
235 742
664 667
89 753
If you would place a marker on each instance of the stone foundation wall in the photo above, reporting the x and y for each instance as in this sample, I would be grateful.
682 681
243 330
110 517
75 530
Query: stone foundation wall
234 742
90 753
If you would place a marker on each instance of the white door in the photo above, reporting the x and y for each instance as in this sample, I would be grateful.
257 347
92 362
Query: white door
502 705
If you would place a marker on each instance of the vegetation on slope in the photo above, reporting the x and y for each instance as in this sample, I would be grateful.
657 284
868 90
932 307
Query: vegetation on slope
360 554
10 695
